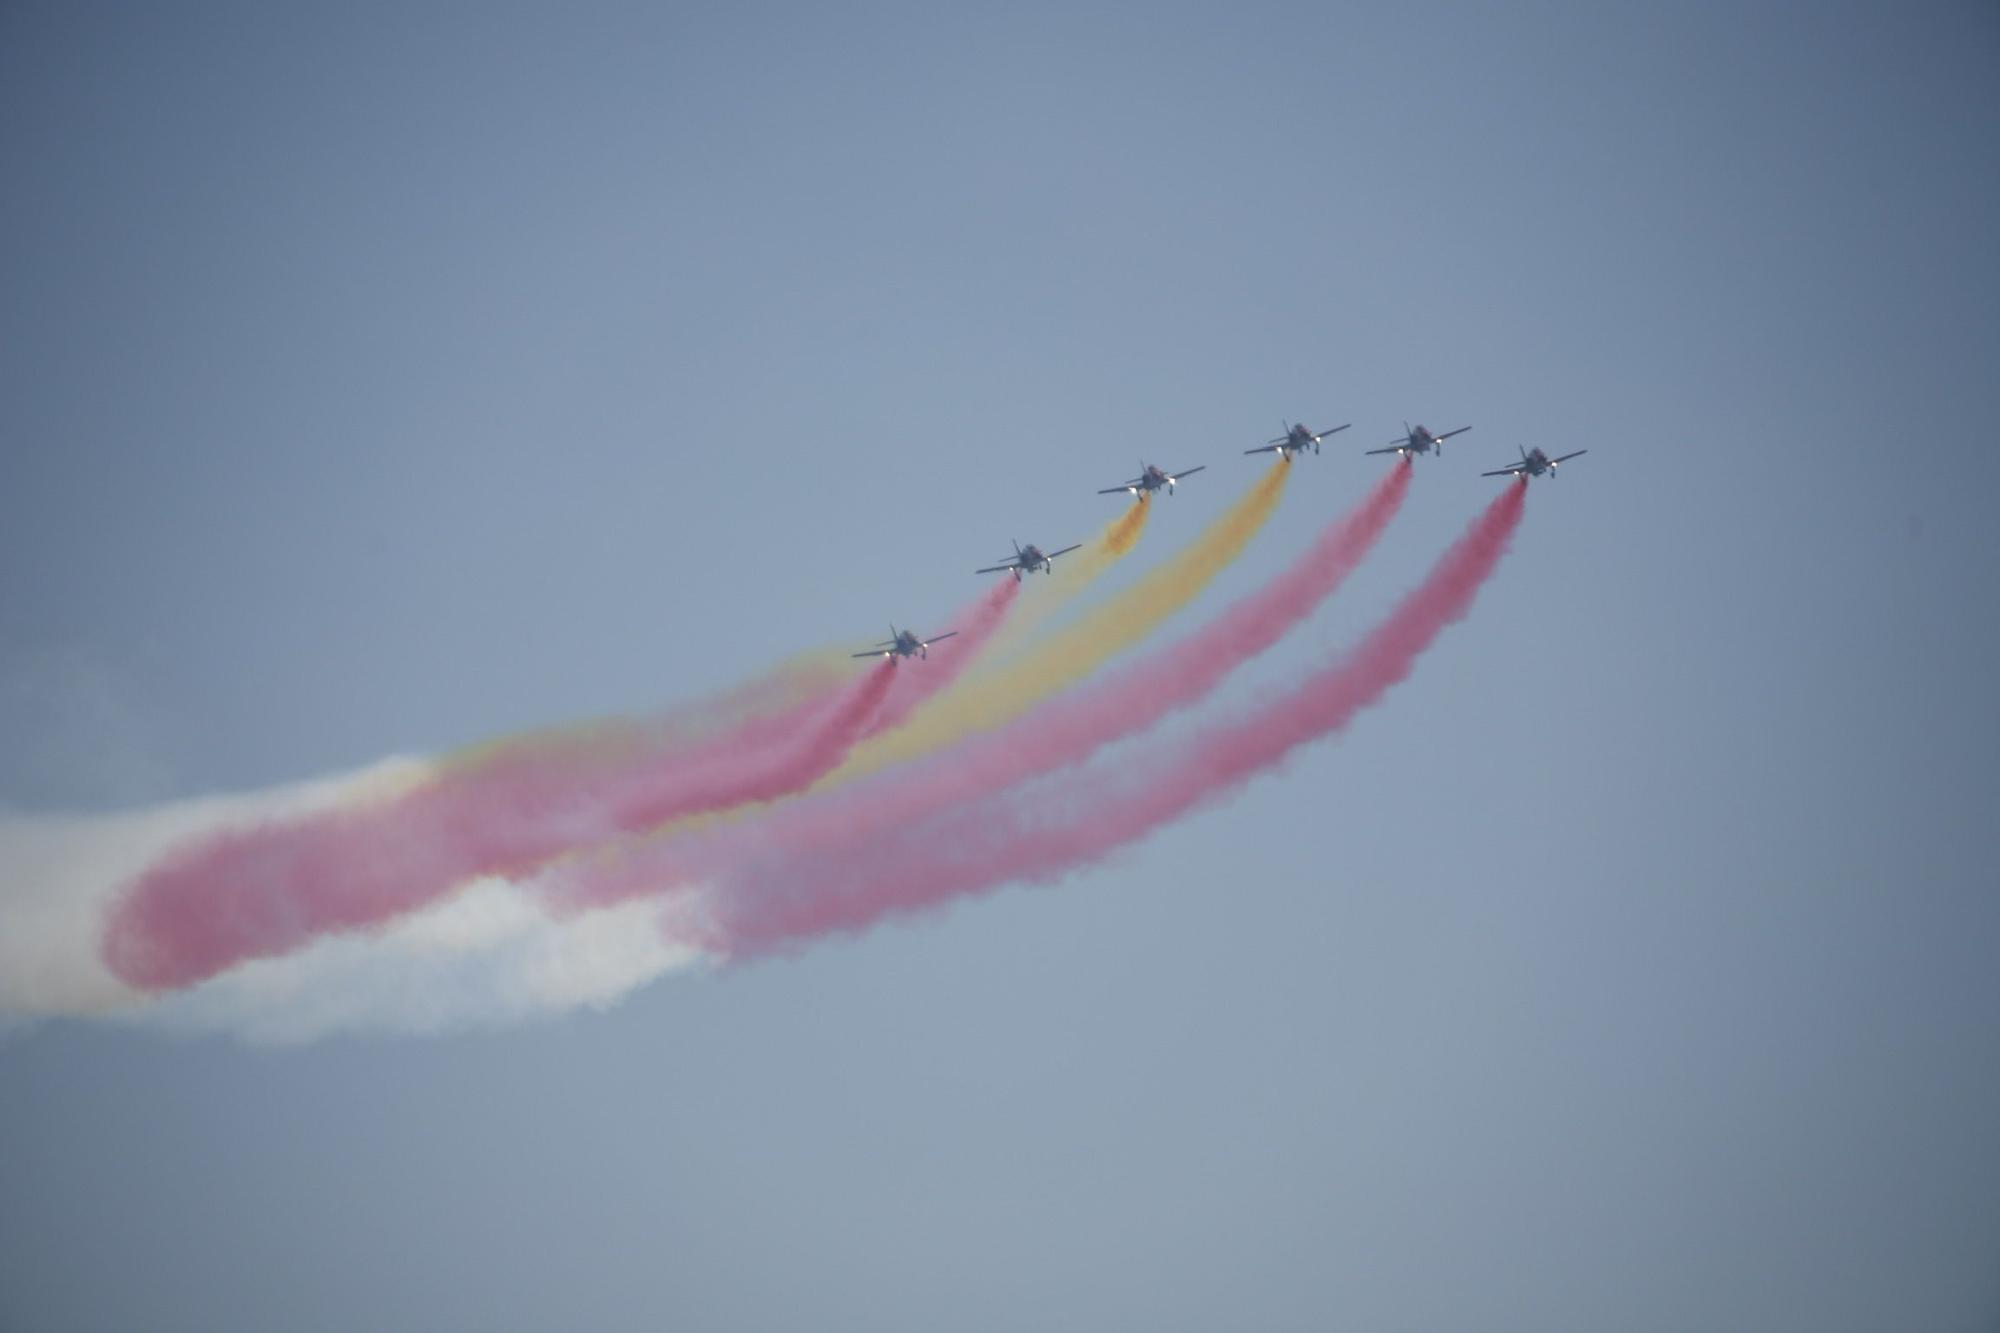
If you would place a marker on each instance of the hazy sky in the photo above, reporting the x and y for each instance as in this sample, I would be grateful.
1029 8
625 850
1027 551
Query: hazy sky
381 379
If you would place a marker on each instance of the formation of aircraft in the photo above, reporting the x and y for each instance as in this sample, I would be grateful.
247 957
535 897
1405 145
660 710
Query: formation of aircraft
1296 440
902 643
1533 464
1418 440
1027 559
1151 479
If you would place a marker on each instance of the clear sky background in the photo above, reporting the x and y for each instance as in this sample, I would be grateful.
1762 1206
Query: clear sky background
381 379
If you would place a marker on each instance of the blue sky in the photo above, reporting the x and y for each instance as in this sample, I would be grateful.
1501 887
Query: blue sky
378 381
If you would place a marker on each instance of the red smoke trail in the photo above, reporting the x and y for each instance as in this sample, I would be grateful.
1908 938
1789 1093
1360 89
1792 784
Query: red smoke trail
1044 830
1060 731
975 626
268 890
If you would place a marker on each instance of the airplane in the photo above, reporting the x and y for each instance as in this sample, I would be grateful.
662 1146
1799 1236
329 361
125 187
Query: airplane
1296 440
1028 559
902 643
1533 464
1150 480
1419 440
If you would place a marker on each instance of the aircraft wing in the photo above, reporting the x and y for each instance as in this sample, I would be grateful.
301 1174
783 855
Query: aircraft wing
1191 471
1514 470
940 638
995 569
1113 490
1267 448
1392 449
1335 431
1448 434
1566 457
873 652
1065 551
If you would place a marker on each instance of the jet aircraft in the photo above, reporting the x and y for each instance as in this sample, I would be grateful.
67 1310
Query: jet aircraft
1533 464
1419 440
1151 479
902 643
1028 559
1296 440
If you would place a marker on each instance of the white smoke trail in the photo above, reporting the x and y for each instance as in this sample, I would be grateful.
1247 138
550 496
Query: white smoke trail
483 956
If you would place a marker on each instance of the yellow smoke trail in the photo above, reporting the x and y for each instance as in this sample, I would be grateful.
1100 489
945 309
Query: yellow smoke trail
981 703
609 739
1071 577
1049 593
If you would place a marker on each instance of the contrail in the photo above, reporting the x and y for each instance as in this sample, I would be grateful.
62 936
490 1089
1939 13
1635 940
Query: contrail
1038 832
267 889
1056 733
990 700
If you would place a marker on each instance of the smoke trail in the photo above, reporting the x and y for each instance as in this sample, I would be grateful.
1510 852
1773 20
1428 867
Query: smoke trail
59 874
1122 534
1058 732
1070 578
1038 832
976 627
268 889
783 694
1073 653
482 956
